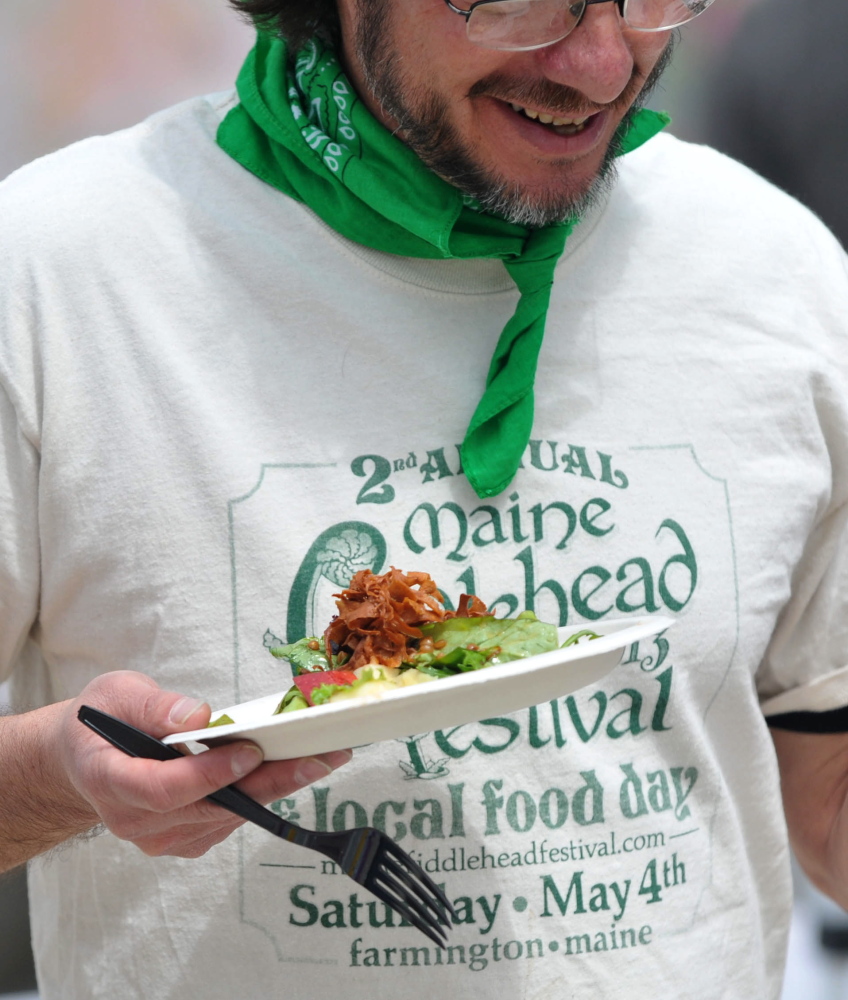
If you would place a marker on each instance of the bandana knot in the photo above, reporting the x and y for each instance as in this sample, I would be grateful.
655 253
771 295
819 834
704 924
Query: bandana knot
307 133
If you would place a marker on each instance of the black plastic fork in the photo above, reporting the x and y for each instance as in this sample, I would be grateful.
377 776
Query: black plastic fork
367 855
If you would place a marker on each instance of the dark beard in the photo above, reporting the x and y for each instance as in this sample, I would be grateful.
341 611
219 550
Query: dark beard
423 125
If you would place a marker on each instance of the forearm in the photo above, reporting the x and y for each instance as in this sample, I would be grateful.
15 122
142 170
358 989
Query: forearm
814 781
39 807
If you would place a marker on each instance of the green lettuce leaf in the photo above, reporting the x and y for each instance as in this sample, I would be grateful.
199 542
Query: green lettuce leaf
423 665
303 658
223 720
497 640
585 633
293 701
325 692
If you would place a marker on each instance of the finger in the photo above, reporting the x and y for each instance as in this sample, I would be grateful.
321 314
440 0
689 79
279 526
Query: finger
271 781
164 712
187 840
137 699
192 830
166 786
197 848
279 778
143 827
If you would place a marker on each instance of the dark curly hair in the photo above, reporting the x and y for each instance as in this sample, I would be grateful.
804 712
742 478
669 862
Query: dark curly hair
296 20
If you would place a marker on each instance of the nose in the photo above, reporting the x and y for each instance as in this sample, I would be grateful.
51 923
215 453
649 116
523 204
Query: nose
595 58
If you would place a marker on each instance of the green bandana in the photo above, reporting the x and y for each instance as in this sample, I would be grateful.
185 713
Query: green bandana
309 135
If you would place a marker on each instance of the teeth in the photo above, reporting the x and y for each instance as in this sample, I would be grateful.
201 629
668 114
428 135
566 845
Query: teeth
547 119
570 121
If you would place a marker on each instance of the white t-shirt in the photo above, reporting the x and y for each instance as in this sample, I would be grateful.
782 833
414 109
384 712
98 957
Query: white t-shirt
214 410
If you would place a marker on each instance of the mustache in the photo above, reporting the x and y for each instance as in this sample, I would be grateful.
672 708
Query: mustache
543 93
568 101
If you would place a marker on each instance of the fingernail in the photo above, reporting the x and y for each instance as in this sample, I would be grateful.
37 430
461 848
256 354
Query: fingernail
311 769
337 758
246 759
182 710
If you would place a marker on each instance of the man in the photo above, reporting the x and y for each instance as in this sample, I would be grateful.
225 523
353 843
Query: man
242 346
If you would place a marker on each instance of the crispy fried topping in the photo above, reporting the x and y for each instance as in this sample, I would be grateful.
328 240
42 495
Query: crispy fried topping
379 616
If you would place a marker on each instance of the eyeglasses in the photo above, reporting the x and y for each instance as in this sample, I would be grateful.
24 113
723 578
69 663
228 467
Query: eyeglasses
532 24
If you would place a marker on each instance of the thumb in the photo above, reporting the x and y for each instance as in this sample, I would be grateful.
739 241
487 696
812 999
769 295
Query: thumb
167 712
138 699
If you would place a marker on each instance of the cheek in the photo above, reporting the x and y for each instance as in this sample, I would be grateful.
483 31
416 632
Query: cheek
647 48
432 42
428 28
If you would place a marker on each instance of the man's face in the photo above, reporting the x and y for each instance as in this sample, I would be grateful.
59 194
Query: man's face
473 114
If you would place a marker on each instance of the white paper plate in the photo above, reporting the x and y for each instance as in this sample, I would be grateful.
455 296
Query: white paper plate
421 708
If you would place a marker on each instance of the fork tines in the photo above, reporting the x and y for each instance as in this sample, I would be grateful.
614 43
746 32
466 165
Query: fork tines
403 864
402 902
405 886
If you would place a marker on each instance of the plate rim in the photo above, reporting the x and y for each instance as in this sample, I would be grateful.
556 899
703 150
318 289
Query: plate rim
637 628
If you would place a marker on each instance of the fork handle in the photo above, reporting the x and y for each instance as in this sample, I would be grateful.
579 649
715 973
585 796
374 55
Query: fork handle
135 743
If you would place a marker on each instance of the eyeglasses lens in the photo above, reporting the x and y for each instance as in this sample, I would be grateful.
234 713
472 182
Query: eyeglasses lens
522 24
531 24
656 15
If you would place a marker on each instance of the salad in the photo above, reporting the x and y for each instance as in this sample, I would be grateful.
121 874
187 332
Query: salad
394 630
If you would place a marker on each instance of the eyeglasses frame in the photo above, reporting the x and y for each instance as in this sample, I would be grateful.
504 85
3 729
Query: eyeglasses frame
621 4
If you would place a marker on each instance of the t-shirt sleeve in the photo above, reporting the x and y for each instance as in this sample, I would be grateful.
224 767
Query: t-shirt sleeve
26 215
19 547
19 438
806 665
805 668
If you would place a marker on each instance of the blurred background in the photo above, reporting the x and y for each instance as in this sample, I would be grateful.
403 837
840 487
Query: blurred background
751 77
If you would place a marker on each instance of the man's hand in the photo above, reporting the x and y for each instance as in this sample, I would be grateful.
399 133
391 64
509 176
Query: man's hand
61 779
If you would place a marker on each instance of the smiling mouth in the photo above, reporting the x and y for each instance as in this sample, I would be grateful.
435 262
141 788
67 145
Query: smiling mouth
560 125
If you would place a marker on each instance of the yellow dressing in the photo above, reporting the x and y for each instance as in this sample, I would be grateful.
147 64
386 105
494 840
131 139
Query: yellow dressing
382 680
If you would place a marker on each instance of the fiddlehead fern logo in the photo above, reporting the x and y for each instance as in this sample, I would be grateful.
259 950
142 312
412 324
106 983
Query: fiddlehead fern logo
335 555
347 552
